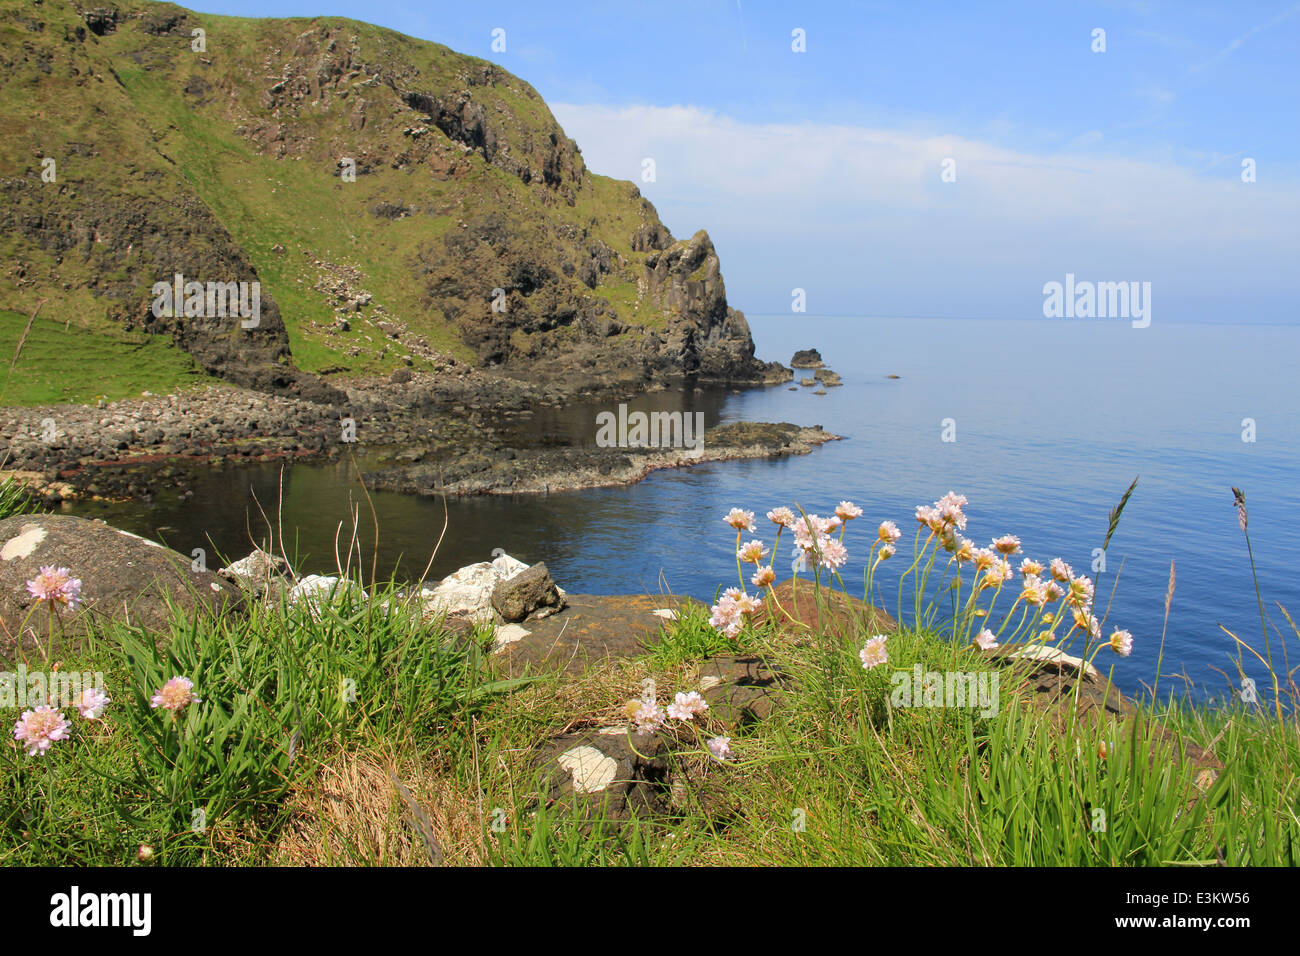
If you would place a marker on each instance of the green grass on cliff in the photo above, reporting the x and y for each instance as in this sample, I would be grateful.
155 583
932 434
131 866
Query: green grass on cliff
146 122
424 757
62 363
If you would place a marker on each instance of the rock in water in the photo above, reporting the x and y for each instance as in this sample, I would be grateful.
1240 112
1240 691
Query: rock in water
529 592
806 358
123 578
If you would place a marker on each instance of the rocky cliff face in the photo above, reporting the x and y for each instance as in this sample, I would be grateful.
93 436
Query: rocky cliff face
396 201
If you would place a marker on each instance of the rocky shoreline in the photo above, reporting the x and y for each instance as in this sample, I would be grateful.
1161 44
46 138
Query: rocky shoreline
442 433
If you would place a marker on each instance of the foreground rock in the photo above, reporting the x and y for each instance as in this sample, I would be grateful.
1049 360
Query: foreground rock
531 592
530 471
124 578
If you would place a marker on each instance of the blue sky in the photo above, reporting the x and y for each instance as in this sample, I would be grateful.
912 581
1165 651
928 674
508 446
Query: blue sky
821 170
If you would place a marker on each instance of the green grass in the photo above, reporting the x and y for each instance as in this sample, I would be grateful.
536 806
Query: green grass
362 734
62 363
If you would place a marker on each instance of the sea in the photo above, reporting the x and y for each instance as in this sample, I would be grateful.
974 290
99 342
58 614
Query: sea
1041 423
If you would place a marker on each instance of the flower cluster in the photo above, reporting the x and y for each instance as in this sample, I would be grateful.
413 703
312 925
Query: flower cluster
174 695
648 716
42 726
56 586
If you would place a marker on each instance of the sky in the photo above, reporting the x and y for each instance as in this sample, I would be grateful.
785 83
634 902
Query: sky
928 159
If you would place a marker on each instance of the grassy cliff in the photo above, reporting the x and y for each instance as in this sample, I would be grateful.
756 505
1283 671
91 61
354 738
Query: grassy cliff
382 189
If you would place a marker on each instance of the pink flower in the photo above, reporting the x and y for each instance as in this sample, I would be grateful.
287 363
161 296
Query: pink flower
763 577
1029 567
949 508
1007 544
1085 621
92 702
726 618
847 511
687 706
751 552
888 532
1061 571
886 552
1121 643
1080 592
833 553
175 694
740 520
40 728
874 654
986 640
648 717
1054 591
1034 591
720 747
782 517
965 550
929 516
56 586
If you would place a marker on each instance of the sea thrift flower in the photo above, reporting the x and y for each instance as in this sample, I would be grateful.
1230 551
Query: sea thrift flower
648 717
144 854
763 577
1061 571
751 552
1121 643
726 618
929 516
874 654
1080 592
56 586
175 694
950 512
1007 544
1034 591
986 640
1086 622
847 511
740 520
886 552
984 558
1030 568
965 550
720 747
40 728
833 553
888 532
1054 591
782 516
92 702
687 706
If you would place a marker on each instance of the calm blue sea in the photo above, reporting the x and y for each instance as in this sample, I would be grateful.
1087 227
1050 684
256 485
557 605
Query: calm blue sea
1052 418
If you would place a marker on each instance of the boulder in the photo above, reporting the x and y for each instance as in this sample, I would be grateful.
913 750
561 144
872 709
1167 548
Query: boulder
123 578
530 592
255 572
604 774
467 593
806 358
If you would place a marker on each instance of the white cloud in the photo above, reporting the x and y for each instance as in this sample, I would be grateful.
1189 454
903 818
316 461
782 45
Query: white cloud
833 195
